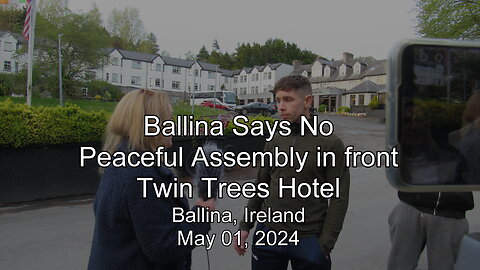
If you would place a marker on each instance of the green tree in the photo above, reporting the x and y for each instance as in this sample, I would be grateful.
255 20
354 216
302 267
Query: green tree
455 19
126 27
83 48
53 10
95 15
203 54
149 45
190 56
11 18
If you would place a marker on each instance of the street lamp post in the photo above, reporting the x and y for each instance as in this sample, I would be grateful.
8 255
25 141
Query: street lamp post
60 69
192 99
215 89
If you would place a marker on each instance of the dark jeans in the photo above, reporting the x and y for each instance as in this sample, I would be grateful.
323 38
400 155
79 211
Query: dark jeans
306 255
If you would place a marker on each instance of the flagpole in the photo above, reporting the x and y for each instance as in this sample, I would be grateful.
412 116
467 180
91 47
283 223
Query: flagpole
31 41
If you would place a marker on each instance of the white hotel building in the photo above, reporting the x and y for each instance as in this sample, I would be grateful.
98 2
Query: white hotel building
132 70
10 43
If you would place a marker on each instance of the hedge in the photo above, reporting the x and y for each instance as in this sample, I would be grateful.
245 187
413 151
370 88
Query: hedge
343 109
21 125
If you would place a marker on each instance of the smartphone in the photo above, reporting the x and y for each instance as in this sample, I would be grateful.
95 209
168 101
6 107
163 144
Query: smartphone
433 115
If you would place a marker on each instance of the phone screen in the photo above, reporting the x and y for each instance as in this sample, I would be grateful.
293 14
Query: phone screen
439 115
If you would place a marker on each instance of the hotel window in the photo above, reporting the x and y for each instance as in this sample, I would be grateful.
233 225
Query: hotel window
158 83
176 70
269 75
107 77
7 66
8 46
211 75
136 64
361 99
115 61
352 100
235 79
114 77
356 68
135 80
226 79
158 67
211 87
175 85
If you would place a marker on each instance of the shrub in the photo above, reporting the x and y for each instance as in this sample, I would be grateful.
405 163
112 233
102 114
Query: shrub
374 103
101 88
343 109
11 83
3 89
322 108
21 125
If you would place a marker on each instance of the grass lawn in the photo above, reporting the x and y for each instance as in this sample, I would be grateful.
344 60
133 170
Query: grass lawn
95 105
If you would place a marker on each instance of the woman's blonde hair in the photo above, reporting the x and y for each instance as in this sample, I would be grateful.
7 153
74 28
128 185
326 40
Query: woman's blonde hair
127 121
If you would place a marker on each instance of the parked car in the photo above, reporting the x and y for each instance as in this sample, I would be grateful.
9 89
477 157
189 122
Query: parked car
273 105
256 108
212 105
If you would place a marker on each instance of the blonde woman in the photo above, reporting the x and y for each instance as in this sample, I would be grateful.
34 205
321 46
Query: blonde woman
132 232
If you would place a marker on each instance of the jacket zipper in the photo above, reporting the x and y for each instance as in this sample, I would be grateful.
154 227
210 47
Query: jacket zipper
438 202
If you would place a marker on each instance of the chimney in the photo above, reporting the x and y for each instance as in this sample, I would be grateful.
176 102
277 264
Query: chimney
296 65
347 57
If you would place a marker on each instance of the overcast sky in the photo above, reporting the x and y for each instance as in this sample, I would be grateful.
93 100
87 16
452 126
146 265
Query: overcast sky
325 27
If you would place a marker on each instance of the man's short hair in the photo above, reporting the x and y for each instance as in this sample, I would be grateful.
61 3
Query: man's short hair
297 83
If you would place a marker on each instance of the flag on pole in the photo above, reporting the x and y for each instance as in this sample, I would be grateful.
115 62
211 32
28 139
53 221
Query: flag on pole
28 18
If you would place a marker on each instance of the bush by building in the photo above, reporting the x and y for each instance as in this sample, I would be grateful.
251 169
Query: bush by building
343 109
322 108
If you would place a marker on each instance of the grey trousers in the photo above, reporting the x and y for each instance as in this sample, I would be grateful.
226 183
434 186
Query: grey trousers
412 230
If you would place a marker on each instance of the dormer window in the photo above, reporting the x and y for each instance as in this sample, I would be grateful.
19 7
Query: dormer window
326 72
317 69
115 61
343 70
357 68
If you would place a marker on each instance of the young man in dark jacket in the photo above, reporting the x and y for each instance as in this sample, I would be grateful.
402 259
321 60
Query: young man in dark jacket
323 218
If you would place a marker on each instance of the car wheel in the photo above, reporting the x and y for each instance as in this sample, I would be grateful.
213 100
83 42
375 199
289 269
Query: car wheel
244 111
